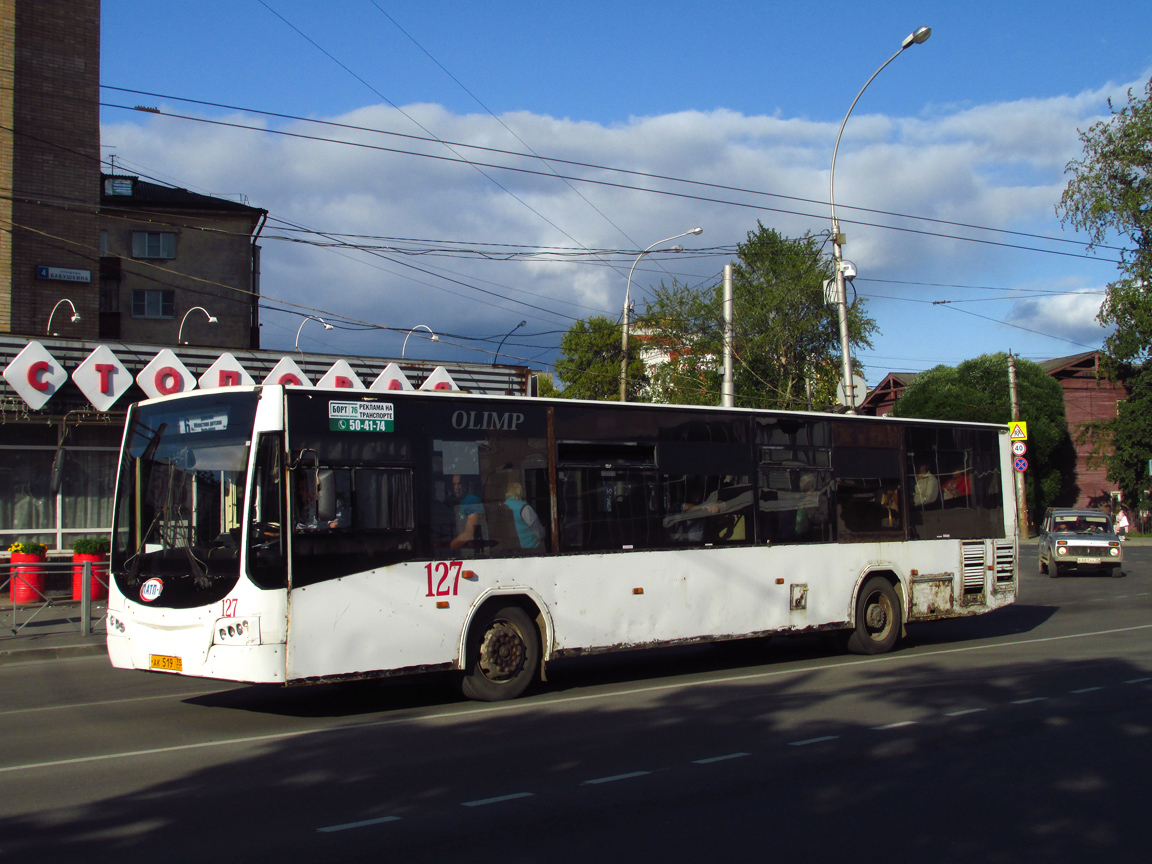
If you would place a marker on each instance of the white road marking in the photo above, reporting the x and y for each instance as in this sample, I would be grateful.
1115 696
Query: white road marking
1085 690
1137 680
1033 699
895 725
362 824
497 799
615 777
807 741
964 711
719 758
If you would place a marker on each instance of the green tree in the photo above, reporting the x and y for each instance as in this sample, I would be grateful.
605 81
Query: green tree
589 362
977 391
1109 195
786 338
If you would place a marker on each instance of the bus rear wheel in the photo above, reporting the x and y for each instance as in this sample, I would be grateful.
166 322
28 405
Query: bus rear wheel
878 618
503 655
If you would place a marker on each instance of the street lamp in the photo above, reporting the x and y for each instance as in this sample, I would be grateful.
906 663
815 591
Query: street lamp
917 37
505 339
75 315
627 303
327 326
403 347
180 333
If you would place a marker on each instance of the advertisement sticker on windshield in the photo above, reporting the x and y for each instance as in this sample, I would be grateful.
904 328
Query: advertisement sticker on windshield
360 416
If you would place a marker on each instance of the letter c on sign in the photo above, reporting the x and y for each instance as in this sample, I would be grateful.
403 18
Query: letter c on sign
443 385
168 381
41 367
289 378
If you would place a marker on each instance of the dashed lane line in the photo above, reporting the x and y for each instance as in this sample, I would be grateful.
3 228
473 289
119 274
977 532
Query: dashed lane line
615 777
724 758
497 800
964 711
362 824
808 741
897 725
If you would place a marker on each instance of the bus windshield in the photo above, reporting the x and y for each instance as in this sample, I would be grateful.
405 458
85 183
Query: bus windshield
180 502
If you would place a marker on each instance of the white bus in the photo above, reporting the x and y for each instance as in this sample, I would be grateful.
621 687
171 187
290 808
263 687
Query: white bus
271 534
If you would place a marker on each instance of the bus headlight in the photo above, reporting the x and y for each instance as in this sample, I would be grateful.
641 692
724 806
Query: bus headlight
237 631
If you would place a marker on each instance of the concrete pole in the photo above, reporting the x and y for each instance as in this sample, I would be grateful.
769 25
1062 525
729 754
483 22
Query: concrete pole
1021 493
728 388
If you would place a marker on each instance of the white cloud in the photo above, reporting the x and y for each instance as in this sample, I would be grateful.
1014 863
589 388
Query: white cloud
998 165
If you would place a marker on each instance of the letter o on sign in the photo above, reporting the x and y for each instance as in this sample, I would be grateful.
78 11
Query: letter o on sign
168 381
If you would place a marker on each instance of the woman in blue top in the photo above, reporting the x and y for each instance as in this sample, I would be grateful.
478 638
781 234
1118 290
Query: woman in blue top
528 527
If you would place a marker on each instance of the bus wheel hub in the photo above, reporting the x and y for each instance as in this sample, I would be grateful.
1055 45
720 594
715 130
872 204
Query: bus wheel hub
876 618
502 652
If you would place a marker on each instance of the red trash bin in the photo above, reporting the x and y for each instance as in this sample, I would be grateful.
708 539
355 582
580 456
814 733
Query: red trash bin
99 580
27 583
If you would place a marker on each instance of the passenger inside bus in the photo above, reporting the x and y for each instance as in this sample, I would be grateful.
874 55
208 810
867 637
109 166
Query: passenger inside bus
529 531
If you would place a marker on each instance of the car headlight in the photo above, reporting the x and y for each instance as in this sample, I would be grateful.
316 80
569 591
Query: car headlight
1114 552
1061 550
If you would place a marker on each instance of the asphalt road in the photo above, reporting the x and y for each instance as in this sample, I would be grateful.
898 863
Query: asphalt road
1023 735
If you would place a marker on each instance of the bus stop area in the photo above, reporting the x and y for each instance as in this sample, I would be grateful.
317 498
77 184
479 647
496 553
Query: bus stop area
44 622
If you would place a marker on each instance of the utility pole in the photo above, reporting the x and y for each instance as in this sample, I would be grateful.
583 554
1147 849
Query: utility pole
1021 494
728 387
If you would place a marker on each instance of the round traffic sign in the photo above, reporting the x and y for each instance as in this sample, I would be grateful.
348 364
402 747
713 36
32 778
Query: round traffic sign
1019 448
1020 463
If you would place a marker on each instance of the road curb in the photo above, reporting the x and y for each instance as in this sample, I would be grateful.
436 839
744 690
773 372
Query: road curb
56 652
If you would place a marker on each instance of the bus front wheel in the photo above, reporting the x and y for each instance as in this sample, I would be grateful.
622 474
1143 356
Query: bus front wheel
503 655
877 618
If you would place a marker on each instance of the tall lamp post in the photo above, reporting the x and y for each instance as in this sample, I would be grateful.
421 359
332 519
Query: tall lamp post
627 303
404 347
917 37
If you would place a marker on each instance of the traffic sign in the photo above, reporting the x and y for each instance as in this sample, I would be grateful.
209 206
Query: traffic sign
1019 448
1018 430
1020 463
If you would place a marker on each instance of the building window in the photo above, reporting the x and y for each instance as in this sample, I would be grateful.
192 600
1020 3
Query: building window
153 244
153 304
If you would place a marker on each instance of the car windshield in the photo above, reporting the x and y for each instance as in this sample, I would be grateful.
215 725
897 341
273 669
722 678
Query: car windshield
1091 523
181 491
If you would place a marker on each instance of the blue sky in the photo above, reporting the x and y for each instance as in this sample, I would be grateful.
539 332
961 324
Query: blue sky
973 127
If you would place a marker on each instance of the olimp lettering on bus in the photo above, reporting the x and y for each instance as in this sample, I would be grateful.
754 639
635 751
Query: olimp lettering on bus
508 421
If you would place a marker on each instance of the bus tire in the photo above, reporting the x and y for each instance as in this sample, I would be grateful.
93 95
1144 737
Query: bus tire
878 618
503 655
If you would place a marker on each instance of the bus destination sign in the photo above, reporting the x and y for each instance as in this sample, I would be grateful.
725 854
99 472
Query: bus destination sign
360 417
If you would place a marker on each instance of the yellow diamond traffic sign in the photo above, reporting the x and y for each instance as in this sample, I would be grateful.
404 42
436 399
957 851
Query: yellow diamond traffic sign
1018 430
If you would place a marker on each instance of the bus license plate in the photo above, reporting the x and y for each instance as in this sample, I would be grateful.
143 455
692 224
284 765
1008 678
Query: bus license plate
166 663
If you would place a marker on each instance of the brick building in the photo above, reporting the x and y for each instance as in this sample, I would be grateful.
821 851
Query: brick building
49 162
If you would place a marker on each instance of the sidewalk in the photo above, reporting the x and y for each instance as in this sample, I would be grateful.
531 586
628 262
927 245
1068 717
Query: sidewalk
52 633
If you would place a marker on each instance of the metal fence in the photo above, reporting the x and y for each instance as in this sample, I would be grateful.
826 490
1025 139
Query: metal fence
38 598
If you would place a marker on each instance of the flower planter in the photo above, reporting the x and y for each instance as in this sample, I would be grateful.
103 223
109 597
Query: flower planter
27 585
99 589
